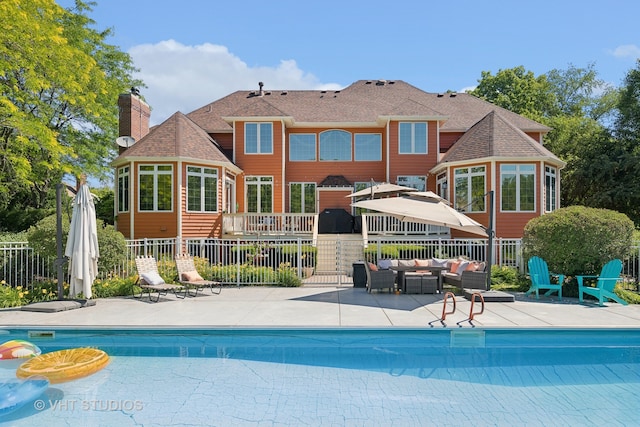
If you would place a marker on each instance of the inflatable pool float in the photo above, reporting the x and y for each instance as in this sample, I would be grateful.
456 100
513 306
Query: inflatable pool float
64 365
14 394
18 349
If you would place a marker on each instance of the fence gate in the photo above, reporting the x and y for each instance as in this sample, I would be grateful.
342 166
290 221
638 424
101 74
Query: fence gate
335 257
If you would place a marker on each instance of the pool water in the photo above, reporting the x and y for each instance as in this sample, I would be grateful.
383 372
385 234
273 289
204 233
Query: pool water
342 377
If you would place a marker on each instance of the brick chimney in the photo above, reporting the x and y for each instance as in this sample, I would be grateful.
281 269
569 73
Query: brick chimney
134 115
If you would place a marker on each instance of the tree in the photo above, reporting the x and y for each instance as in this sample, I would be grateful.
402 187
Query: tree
578 107
517 90
58 86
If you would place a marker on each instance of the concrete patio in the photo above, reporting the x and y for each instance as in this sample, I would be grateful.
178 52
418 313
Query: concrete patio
327 306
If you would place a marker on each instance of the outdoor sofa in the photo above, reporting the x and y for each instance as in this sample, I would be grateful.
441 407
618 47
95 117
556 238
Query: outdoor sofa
461 273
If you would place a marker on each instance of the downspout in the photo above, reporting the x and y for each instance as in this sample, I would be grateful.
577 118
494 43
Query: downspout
388 166
284 183
180 205
133 177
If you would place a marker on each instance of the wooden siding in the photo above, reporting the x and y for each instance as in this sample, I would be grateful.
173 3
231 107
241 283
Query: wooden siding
199 224
260 165
353 171
332 199
123 224
447 139
411 164
511 224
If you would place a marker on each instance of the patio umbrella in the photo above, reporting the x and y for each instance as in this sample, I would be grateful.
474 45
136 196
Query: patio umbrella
82 243
424 208
381 189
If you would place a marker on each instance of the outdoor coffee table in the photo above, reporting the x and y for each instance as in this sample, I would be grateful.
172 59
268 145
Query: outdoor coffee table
402 269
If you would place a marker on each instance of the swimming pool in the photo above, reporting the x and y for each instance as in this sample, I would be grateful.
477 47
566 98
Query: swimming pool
352 377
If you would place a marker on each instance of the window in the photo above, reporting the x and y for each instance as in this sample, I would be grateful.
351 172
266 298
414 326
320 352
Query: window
123 189
469 189
258 138
412 138
417 182
155 187
302 197
518 188
302 147
550 196
259 190
202 189
441 186
368 147
335 145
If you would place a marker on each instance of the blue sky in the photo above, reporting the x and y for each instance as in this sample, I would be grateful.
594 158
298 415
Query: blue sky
194 52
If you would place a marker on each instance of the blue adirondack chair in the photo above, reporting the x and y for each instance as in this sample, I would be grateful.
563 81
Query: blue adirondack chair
541 278
603 290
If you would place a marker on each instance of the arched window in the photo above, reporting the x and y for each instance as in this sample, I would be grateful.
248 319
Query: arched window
335 145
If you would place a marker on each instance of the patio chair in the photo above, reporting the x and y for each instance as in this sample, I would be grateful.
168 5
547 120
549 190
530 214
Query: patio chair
149 280
379 279
541 278
604 285
189 276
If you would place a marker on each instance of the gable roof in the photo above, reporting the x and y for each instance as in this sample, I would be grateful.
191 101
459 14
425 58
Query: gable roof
495 136
363 103
178 136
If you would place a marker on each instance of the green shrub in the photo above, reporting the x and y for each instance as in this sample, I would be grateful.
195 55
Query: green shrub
42 237
578 240
508 279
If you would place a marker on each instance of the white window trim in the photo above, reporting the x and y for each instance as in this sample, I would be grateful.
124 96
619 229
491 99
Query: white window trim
413 138
202 175
518 174
259 140
155 174
315 147
123 172
469 175
355 149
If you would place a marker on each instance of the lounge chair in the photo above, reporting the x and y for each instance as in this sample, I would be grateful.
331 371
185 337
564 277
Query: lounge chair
189 276
606 282
379 279
149 280
541 278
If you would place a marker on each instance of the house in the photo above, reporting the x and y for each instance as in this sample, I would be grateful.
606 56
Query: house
296 153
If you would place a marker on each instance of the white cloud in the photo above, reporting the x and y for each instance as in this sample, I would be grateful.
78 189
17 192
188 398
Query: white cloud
626 51
183 78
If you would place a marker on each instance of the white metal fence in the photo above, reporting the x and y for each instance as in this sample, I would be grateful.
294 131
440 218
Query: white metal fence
328 260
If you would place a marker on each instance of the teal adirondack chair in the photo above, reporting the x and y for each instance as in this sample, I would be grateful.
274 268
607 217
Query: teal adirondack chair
609 276
541 278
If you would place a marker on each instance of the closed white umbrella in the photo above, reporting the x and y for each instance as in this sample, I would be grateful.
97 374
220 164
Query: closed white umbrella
82 243
424 209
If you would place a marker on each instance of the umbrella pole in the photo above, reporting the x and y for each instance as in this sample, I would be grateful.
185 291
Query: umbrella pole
490 241
60 260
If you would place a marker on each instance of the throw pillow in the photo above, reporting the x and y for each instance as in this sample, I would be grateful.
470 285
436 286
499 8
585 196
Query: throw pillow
473 266
437 262
423 262
462 267
406 263
152 278
454 266
481 266
373 267
192 276
384 264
